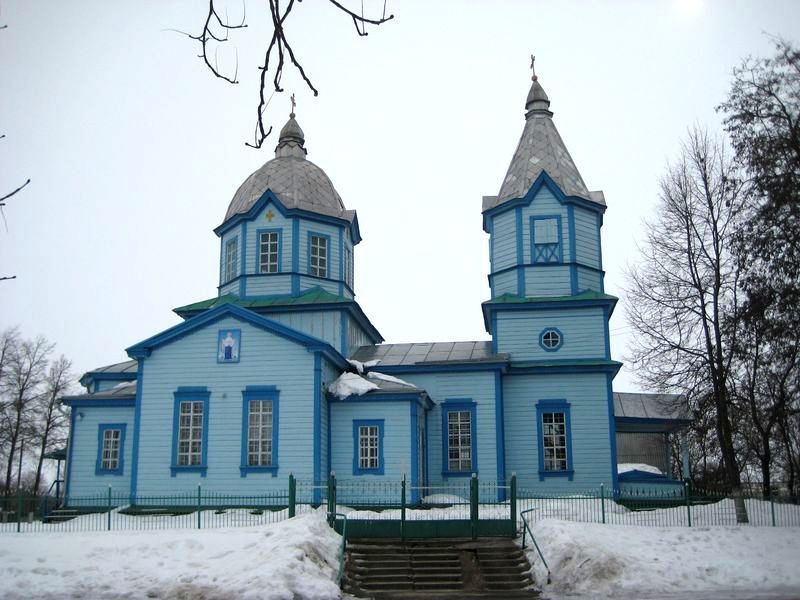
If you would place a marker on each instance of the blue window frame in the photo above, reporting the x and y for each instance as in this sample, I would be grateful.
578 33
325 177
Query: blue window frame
319 259
459 438
368 447
110 449
546 244
259 430
551 339
230 267
268 250
555 439
190 431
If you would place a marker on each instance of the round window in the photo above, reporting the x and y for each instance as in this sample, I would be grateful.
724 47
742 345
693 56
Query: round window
550 339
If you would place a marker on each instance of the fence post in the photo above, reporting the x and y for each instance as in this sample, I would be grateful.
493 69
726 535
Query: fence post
199 504
403 508
109 508
19 509
292 495
603 502
331 498
514 502
473 505
772 505
686 492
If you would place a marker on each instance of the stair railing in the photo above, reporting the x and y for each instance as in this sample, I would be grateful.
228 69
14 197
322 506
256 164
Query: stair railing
332 517
527 528
45 508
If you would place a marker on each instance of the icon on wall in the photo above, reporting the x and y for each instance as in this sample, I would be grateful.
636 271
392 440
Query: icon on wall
228 342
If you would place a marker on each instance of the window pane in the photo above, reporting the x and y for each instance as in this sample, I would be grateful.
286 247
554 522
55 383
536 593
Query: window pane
259 433
545 231
554 441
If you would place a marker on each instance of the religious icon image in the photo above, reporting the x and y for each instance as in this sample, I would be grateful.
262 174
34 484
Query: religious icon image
228 345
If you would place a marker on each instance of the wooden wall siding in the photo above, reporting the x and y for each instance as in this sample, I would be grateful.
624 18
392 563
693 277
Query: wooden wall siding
587 238
480 388
591 447
582 330
333 248
551 280
307 283
265 359
505 283
329 373
504 240
356 337
589 280
230 288
544 204
107 384
261 222
265 285
83 481
325 325
396 437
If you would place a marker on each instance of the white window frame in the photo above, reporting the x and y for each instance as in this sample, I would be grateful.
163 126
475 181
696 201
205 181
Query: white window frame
369 447
111 449
189 452
554 441
268 258
231 259
459 441
318 255
260 424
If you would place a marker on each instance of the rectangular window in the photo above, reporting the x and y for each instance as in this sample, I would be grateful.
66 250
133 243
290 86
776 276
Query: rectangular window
318 257
231 259
368 447
348 267
259 437
459 441
268 252
554 440
111 440
546 239
259 430
110 448
555 443
190 434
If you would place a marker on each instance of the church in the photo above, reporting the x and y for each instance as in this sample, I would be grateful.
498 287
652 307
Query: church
283 373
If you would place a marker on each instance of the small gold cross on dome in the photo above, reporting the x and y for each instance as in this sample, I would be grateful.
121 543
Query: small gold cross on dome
270 215
533 67
294 104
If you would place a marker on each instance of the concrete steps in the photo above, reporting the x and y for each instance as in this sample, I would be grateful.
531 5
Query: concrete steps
441 569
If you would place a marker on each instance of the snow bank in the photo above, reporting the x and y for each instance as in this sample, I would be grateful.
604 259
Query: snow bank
625 467
630 561
350 384
296 558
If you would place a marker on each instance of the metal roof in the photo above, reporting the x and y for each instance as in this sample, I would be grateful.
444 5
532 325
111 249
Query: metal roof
124 390
540 149
649 406
429 353
128 366
296 181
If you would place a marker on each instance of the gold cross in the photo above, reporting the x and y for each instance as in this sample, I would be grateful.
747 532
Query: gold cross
533 67
270 215
294 104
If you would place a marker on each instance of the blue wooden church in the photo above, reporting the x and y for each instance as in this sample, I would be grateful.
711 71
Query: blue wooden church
282 372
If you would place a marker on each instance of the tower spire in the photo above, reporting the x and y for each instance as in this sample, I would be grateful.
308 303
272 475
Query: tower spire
291 141
537 101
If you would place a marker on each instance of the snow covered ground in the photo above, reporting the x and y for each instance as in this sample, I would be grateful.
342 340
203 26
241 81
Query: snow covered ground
296 558
619 561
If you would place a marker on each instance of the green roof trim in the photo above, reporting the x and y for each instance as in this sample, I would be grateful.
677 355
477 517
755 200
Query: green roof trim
586 295
315 296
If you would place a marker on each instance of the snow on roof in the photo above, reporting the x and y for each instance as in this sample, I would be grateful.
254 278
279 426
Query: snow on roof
627 467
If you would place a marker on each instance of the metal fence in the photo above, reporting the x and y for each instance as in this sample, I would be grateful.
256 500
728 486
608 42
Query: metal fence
686 507
466 500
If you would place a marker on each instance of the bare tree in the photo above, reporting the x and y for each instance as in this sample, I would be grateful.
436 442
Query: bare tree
685 284
27 368
51 418
216 31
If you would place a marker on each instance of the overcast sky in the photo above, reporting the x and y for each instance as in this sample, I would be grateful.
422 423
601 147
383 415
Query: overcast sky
134 149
